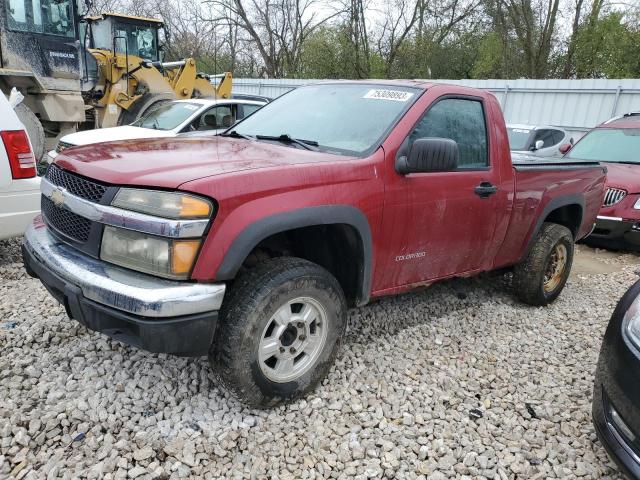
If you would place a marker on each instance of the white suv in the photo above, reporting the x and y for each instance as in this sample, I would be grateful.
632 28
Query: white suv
19 184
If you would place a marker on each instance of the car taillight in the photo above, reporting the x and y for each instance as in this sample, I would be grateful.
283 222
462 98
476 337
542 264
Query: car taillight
21 158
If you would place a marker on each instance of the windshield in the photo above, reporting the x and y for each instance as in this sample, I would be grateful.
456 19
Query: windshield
141 41
168 116
52 17
518 138
609 145
342 118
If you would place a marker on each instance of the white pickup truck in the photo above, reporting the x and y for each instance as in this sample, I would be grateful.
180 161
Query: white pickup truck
19 184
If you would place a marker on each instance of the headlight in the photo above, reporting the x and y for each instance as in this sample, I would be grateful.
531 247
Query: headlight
637 204
163 204
631 322
150 254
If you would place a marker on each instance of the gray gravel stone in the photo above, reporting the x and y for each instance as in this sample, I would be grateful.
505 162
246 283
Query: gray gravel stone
396 404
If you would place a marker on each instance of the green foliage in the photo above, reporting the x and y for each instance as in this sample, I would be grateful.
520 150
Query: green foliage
608 48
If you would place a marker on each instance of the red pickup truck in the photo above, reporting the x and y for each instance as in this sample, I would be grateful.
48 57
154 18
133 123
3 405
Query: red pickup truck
250 247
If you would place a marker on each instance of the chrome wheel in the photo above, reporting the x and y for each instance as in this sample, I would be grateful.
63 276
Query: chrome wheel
292 340
555 268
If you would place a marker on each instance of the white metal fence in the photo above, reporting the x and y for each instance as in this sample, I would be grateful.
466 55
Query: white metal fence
576 105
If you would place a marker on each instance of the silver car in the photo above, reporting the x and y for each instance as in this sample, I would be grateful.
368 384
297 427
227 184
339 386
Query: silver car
540 140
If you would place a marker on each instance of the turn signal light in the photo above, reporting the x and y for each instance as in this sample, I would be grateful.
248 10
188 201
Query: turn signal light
194 207
183 256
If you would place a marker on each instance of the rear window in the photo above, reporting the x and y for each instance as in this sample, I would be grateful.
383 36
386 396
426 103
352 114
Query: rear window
609 145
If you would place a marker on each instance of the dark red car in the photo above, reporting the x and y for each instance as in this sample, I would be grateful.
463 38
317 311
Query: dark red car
251 246
616 144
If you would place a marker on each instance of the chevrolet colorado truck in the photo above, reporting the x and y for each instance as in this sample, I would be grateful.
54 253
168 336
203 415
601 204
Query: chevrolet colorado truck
250 247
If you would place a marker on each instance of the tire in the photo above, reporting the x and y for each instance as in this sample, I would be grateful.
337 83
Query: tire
541 276
143 105
34 129
264 358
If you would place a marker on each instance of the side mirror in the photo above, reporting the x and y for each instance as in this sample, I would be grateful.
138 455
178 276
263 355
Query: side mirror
538 145
429 155
565 148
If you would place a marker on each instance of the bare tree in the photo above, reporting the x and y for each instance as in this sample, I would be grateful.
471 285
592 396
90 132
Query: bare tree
277 28
400 17
533 26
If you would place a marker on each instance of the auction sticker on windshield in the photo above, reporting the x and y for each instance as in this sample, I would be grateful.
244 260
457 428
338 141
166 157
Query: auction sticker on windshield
394 95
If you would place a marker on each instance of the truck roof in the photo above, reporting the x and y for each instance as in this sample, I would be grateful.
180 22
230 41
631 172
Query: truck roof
422 84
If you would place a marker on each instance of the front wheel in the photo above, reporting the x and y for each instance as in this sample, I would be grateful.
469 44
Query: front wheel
541 276
279 331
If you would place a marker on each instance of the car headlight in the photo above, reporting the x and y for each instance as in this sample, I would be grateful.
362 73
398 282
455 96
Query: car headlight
637 204
163 204
165 257
631 322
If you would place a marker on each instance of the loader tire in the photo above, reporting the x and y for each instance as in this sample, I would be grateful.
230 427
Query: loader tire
145 104
34 129
540 277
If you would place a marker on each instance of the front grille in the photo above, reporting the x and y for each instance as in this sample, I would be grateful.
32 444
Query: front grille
76 185
66 222
613 196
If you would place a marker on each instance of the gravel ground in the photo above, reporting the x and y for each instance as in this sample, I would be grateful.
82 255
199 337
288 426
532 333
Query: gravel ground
454 381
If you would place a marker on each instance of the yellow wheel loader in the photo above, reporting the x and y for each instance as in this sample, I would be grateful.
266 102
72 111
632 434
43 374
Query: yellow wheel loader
129 76
77 72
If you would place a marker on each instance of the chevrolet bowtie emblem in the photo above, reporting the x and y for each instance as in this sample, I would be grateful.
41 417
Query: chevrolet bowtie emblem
57 197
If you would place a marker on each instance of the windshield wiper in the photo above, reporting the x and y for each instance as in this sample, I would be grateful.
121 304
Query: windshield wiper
235 134
286 138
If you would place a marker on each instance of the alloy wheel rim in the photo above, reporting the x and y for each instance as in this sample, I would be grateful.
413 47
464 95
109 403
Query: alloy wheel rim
293 339
555 268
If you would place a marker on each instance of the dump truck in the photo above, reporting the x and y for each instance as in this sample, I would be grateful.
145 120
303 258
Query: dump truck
40 56
89 72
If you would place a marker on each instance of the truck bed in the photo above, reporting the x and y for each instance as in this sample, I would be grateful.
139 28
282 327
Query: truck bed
540 187
523 162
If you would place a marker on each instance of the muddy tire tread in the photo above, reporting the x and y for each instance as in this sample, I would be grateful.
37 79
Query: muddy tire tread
529 274
247 292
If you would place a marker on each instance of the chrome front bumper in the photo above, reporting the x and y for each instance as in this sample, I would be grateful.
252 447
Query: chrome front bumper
116 287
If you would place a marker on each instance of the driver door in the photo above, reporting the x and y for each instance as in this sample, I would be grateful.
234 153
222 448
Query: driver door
439 224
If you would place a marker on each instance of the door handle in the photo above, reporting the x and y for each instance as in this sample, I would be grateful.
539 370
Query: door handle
485 189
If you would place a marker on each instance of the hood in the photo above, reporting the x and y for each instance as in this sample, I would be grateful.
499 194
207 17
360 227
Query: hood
623 175
170 162
126 132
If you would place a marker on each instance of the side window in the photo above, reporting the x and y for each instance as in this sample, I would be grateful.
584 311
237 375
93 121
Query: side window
248 109
558 136
546 136
216 118
54 17
460 120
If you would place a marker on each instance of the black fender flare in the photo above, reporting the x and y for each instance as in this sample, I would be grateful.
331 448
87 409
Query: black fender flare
261 229
554 204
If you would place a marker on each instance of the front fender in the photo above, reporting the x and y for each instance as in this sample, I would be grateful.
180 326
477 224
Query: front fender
261 229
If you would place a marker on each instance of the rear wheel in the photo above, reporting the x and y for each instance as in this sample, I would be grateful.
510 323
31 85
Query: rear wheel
279 331
541 276
34 129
